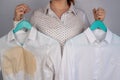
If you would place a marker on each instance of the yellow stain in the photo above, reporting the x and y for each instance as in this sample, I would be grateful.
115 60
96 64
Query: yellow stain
18 59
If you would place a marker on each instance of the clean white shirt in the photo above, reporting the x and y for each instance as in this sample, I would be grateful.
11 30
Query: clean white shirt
23 55
92 55
72 22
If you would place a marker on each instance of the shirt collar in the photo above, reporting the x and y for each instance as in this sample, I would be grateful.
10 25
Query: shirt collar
91 37
71 9
32 35
47 8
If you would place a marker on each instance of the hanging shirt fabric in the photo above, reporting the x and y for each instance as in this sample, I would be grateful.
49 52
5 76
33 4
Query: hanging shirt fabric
92 55
22 55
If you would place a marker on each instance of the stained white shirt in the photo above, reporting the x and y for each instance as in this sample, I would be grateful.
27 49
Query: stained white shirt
72 22
23 55
92 55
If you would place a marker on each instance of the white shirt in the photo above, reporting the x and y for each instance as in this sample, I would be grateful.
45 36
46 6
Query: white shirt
23 55
72 22
92 55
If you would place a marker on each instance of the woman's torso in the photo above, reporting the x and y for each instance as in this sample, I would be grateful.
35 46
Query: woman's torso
72 23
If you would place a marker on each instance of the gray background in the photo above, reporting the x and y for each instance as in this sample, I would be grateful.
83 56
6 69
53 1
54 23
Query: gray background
112 19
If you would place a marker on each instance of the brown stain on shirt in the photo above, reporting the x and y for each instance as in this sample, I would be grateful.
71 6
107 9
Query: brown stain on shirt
18 59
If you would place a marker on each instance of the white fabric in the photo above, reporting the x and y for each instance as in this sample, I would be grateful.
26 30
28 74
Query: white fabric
85 57
72 22
35 49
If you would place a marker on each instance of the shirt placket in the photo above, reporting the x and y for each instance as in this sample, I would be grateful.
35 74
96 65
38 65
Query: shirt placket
97 66
63 21
63 18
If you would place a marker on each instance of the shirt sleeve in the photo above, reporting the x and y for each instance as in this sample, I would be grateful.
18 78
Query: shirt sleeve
83 16
35 19
86 21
